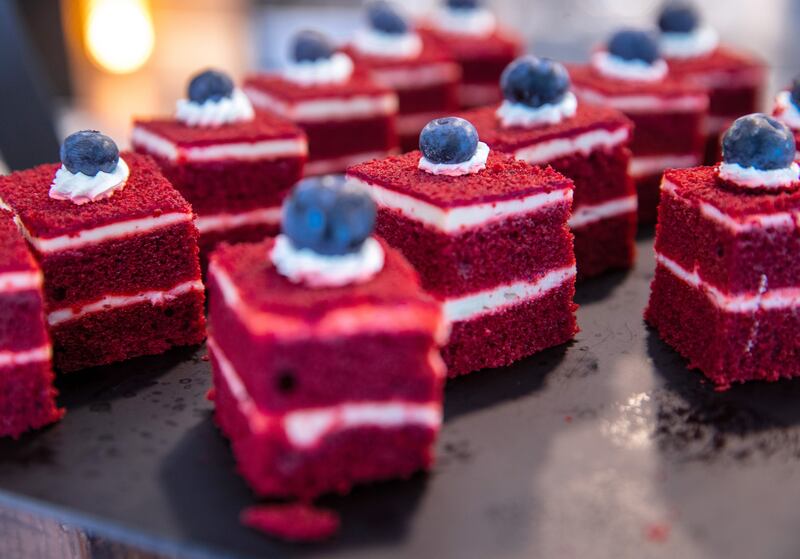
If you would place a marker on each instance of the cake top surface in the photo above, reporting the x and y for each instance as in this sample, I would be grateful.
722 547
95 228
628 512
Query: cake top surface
585 76
506 139
146 194
431 53
701 184
265 126
499 43
504 178
288 91
263 288
14 254
722 59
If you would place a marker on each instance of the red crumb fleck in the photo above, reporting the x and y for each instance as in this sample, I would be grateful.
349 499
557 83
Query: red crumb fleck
204 357
658 532
297 522
211 394
568 418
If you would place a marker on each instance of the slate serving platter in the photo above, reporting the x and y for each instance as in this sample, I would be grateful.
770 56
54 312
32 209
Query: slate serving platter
605 447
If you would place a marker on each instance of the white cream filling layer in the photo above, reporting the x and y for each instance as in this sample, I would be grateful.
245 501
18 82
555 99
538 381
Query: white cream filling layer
644 103
18 358
213 113
471 166
750 177
424 75
11 282
81 189
339 164
492 300
227 221
584 144
586 215
786 111
240 151
109 302
634 70
517 114
388 45
336 69
699 42
102 233
344 108
647 165
477 22
771 299
306 427
455 219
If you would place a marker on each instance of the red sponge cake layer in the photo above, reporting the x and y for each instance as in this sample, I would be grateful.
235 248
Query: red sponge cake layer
27 396
113 242
492 246
305 377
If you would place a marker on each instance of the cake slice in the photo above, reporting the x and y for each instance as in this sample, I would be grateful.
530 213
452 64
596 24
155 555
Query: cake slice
324 350
488 235
27 396
787 109
118 248
726 291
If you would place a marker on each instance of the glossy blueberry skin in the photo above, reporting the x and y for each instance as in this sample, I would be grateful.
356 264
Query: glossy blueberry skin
795 92
89 152
631 44
678 17
448 140
534 81
384 17
759 141
328 216
210 85
309 46
464 4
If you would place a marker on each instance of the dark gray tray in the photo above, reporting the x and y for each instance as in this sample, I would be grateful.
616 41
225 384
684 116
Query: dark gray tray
606 447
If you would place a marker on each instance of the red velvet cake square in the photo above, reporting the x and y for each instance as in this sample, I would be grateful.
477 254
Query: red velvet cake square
322 388
592 149
121 273
27 396
668 116
235 175
493 246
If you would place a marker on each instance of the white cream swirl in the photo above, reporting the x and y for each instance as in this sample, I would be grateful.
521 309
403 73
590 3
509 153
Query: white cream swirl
518 114
478 22
389 45
634 70
786 111
472 165
211 113
80 189
304 266
699 42
750 177
336 69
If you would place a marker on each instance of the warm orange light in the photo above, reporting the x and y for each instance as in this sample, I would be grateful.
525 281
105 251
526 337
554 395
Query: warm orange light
119 34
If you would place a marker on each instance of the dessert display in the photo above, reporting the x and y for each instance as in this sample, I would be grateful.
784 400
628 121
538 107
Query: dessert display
541 122
234 166
725 293
118 249
413 64
27 396
346 115
324 350
787 109
488 235
630 75
470 33
735 80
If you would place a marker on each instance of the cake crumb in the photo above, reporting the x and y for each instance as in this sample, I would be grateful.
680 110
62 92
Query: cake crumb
294 522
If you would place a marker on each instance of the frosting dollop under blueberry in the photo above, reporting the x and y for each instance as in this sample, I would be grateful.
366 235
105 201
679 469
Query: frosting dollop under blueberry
631 54
388 33
682 35
212 100
536 92
758 151
314 61
678 17
450 146
787 106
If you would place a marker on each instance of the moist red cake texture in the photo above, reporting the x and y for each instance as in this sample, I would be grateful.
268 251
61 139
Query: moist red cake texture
27 396
286 357
336 138
735 81
604 235
221 188
659 132
521 247
426 85
112 295
741 322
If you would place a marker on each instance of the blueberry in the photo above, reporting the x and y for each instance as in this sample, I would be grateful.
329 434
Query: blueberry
796 91
631 44
309 46
384 17
534 81
328 216
463 4
210 85
448 140
89 152
678 17
759 141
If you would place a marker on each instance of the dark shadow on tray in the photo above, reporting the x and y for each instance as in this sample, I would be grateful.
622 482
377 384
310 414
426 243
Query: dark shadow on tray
594 290
645 231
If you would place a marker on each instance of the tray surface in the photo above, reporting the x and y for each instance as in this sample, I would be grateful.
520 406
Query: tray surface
605 447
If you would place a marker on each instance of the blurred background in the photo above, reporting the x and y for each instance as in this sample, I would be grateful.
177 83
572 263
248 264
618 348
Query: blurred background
73 64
